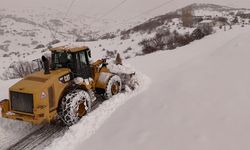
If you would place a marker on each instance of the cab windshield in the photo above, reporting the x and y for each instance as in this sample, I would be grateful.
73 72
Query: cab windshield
62 60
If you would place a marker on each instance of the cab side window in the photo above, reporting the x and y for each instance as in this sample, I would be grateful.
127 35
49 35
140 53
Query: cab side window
83 68
83 58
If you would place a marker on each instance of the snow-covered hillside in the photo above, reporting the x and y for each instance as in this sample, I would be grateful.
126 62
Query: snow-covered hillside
198 99
27 33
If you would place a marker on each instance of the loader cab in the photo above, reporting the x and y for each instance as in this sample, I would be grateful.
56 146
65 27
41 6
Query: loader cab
78 60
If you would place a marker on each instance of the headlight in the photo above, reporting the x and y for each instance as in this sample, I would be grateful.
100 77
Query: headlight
43 95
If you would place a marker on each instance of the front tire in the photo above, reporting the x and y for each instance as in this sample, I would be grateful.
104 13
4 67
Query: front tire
74 106
114 87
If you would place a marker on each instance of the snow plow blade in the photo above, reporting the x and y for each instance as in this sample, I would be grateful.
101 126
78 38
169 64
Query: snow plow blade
127 80
127 75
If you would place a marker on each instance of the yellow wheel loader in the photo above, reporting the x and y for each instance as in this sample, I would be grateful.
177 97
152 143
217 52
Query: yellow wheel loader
65 90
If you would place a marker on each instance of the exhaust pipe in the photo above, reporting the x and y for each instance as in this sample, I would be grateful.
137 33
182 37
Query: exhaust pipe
45 65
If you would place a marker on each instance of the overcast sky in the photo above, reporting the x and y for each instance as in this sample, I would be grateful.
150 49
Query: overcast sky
128 9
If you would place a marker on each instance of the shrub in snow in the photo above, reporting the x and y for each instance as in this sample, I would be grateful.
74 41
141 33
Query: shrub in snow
87 38
1 32
222 19
235 20
110 54
165 40
39 46
207 30
243 15
6 55
7 41
148 26
34 42
171 44
127 57
5 47
148 46
79 39
108 36
54 42
197 34
26 45
182 40
127 50
202 31
125 36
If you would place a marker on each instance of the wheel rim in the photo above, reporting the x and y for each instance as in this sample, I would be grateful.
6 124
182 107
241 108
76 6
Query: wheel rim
81 109
115 88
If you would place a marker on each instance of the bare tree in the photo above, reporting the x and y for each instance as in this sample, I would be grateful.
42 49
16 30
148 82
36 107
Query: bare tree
21 69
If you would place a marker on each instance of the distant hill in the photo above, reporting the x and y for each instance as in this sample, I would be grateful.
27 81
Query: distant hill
198 10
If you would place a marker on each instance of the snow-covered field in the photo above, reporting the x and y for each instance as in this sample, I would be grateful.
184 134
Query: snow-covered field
198 99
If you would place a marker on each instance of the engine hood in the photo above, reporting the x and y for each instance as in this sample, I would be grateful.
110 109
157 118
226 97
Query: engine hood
38 81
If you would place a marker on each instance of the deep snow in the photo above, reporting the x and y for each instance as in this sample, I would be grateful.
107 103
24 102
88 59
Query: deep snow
198 99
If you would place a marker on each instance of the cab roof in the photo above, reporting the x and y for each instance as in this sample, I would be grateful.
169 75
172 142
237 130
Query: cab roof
69 48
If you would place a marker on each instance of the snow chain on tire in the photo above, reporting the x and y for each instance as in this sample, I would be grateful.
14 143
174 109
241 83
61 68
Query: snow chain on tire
113 80
69 110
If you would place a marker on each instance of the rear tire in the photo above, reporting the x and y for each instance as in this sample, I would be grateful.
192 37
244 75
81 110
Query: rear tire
114 87
74 106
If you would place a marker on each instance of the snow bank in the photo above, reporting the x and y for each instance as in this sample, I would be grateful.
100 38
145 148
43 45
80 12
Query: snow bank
93 121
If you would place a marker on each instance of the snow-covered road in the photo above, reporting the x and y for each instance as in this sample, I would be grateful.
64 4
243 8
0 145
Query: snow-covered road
198 99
